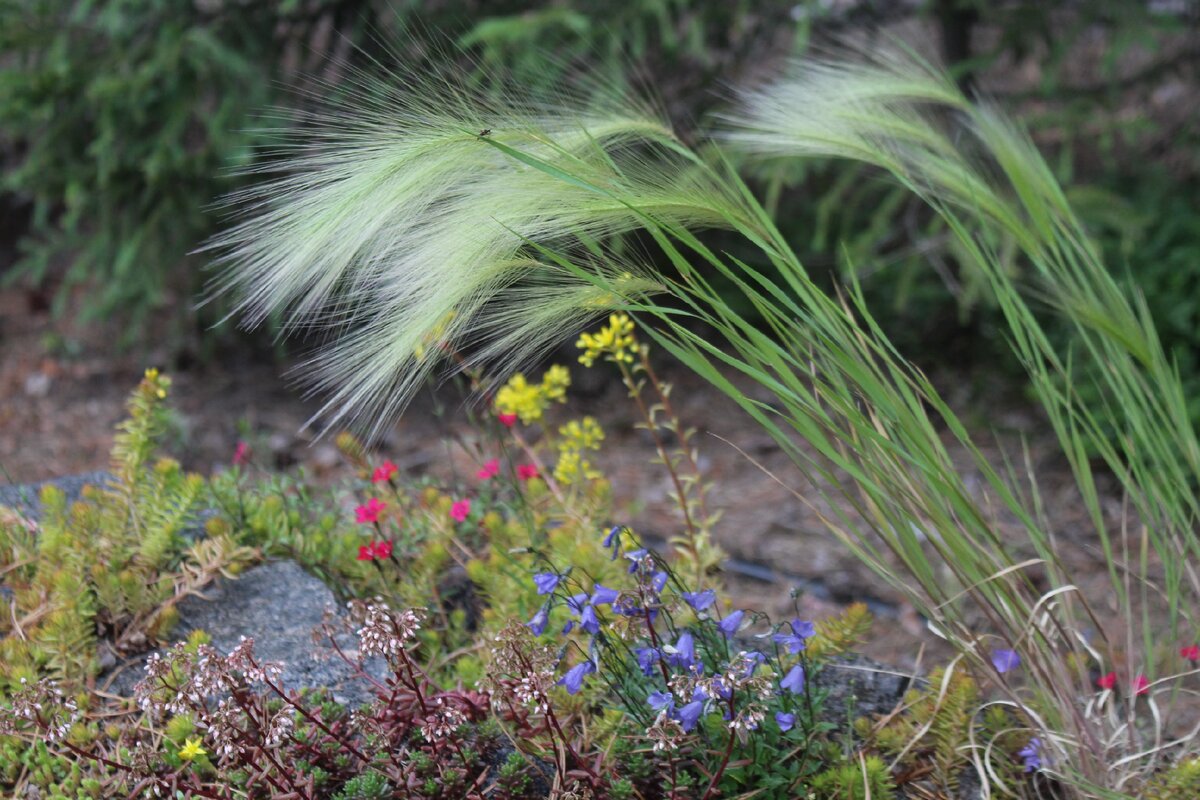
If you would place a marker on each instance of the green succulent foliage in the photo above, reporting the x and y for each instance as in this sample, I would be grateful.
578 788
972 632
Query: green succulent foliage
109 565
938 718
866 778
368 786
1179 782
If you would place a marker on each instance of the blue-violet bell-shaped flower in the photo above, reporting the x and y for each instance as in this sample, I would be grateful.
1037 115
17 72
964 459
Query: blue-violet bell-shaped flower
538 623
577 602
573 680
689 715
647 657
546 582
752 661
602 595
1031 754
731 624
588 620
800 630
700 600
794 680
659 580
685 652
785 721
636 557
1005 660
660 701
611 538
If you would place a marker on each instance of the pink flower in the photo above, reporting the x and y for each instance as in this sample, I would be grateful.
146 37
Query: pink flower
370 512
366 552
526 471
1141 685
1107 681
507 420
1191 653
383 549
460 510
489 470
241 454
384 472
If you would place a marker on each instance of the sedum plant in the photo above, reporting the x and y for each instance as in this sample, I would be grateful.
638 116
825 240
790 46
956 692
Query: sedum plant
419 210
99 578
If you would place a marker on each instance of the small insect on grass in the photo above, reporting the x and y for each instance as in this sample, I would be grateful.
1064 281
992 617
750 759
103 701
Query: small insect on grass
485 132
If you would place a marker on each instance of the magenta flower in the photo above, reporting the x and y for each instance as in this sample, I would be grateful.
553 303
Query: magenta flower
527 472
1107 681
1141 685
1191 652
489 470
241 454
368 513
384 472
460 510
507 420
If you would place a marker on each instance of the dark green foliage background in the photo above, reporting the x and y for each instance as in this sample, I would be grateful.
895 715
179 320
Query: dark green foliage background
123 121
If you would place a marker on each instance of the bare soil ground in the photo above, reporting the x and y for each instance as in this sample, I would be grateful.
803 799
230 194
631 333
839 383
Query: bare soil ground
59 404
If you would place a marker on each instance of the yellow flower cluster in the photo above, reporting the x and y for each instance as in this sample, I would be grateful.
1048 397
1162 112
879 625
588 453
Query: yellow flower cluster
156 383
434 336
530 400
578 437
191 750
615 341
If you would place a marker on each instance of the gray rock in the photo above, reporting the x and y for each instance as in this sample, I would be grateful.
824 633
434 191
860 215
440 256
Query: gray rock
23 498
278 605
856 686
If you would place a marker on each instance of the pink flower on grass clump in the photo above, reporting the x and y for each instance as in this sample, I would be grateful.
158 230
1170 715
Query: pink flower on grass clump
1191 652
507 420
384 472
241 454
489 470
370 512
374 550
1141 685
527 472
1107 681
460 510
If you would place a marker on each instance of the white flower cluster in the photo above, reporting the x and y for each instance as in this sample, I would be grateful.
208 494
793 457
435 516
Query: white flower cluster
386 633
43 705
442 721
